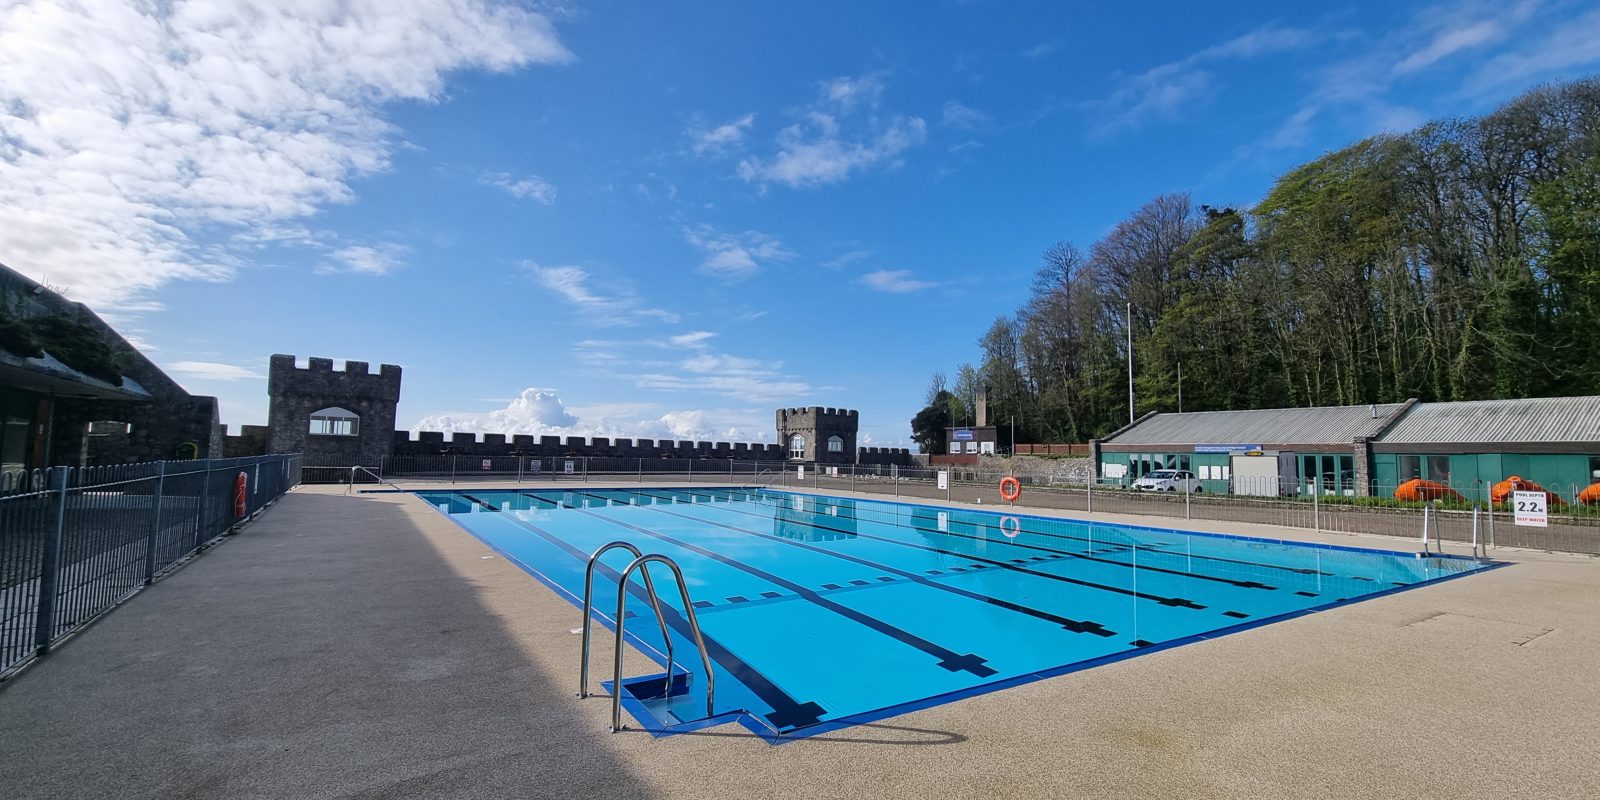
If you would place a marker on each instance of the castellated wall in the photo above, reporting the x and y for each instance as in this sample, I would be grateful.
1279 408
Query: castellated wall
432 443
294 394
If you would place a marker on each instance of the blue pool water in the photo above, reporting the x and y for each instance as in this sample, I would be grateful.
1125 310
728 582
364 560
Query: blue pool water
820 612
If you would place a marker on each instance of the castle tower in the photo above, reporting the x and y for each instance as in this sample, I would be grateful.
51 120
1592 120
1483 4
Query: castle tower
339 419
818 435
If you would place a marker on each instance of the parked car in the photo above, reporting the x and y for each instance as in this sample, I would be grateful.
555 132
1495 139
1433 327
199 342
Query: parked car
1169 480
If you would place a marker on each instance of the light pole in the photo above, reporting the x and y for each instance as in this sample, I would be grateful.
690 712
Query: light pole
1180 387
1129 325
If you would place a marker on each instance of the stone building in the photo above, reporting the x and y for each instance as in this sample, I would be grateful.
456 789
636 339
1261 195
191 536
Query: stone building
343 418
819 435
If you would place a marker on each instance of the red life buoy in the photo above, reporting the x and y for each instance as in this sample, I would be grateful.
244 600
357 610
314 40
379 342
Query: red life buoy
1013 529
239 487
1010 488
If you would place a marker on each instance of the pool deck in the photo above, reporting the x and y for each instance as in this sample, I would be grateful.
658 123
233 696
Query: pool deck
366 646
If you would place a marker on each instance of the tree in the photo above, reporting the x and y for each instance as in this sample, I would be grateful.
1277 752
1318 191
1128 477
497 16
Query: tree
929 424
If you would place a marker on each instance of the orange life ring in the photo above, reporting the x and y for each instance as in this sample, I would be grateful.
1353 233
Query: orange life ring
239 487
1014 530
1015 490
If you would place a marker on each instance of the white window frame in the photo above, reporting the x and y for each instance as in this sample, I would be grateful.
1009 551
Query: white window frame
334 421
835 444
797 446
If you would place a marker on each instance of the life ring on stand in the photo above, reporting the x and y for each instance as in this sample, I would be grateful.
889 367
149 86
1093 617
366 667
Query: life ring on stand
239 489
1011 527
1010 489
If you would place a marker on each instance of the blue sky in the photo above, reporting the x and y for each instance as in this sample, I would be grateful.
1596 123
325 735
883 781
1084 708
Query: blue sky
652 219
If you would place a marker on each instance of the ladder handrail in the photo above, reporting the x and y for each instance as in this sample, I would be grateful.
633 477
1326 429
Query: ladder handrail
588 609
754 481
352 484
640 564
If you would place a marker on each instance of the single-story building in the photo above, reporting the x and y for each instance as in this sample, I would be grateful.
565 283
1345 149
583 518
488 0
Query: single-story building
1367 449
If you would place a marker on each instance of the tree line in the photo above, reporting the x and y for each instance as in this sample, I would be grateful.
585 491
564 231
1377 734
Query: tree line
1459 261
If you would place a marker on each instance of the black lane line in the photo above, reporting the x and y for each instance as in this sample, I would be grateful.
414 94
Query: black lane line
1076 626
1176 602
1219 559
787 712
948 659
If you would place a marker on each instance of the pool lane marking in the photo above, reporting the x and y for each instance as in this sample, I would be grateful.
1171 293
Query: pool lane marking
948 659
1174 602
1076 626
1150 547
787 712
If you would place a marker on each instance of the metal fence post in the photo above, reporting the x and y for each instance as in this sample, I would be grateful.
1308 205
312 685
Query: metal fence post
1316 504
585 469
45 620
452 470
1088 492
155 526
519 469
641 470
1186 499
690 479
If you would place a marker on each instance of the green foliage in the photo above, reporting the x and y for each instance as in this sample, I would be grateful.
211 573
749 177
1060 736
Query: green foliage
928 426
80 346
1460 261
17 336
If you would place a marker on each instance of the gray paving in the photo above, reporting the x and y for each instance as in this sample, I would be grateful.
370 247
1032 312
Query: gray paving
366 647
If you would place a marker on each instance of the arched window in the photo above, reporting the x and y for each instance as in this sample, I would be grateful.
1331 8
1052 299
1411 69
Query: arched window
335 421
797 446
835 444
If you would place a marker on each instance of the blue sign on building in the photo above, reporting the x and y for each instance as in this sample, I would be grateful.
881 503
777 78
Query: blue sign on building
1226 448
962 435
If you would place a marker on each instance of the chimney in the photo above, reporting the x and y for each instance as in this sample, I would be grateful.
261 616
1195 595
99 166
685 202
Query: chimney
983 407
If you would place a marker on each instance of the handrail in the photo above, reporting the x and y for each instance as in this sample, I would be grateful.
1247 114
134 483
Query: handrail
349 487
694 628
588 608
756 480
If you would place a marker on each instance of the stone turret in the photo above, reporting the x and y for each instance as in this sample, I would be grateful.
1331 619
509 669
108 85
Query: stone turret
818 435
338 418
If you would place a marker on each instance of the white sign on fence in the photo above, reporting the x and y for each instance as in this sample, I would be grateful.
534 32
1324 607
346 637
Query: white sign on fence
533 466
569 467
800 472
1532 509
486 463
944 479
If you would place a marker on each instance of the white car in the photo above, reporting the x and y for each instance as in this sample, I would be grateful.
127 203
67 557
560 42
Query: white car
1169 480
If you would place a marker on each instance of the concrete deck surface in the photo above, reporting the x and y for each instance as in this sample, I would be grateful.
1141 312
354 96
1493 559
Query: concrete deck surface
365 646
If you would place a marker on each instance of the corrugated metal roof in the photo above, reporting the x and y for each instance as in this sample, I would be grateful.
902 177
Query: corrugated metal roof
1321 425
1539 419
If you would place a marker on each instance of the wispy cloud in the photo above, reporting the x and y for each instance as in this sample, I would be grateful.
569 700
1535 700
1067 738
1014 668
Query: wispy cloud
721 138
531 187
693 339
126 129
543 412
1039 51
1162 92
964 118
1568 46
363 259
734 256
213 371
573 284
838 133
844 259
704 369
894 281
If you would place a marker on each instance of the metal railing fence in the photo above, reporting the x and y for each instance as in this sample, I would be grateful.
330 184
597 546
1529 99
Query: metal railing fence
76 542
1571 526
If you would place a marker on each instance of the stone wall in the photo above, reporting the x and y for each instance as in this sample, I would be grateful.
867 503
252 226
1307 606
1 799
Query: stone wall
294 394
817 424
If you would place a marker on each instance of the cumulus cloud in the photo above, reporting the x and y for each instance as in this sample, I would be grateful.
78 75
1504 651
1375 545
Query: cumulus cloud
541 412
532 187
572 284
703 369
839 133
894 281
734 256
127 129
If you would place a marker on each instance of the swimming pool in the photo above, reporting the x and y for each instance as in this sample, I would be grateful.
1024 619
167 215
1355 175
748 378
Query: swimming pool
820 612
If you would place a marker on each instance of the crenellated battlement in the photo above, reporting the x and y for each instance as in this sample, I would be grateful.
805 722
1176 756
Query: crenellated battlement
318 377
418 443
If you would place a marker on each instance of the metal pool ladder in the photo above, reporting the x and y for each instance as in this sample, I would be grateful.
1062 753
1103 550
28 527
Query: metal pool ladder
640 564
756 481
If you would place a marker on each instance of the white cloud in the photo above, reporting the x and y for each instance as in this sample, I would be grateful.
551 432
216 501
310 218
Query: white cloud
541 412
1039 51
837 134
128 128
213 371
963 117
844 259
704 371
693 339
618 308
1162 92
721 138
532 187
1571 45
894 281
363 259
734 256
